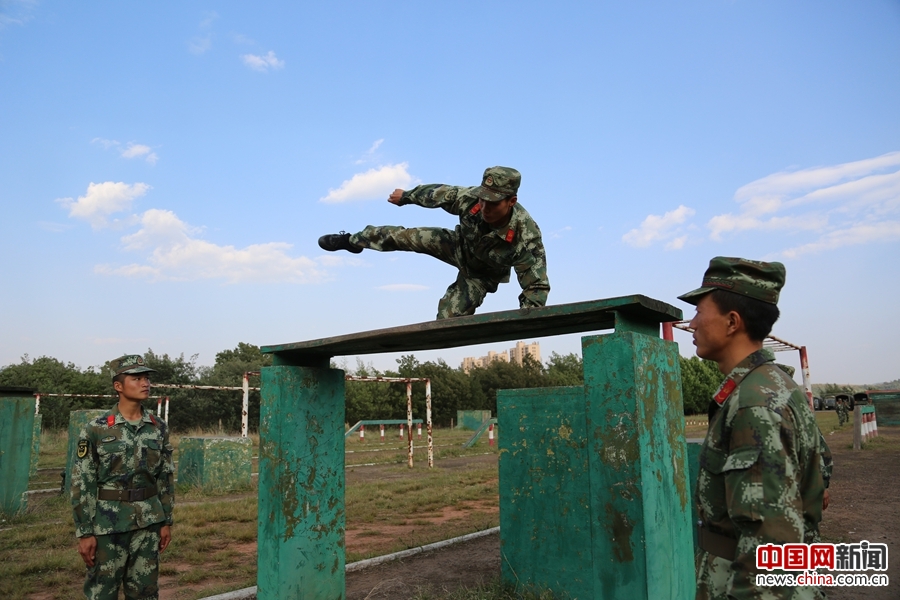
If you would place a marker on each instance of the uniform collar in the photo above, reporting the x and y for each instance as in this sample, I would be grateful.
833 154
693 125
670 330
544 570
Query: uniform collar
741 370
512 228
145 415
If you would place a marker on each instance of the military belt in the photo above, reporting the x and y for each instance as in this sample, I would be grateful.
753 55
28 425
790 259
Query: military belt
716 543
129 495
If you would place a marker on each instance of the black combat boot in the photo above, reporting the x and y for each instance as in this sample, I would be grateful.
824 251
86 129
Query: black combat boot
338 241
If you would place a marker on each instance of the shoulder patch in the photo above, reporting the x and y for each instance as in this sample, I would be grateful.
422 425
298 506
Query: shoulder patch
82 448
110 420
475 209
510 235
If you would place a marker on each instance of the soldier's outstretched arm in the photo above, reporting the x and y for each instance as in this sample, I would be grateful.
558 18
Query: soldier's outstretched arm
434 195
531 271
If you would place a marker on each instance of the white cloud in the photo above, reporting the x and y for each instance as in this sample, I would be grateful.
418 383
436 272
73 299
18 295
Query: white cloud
370 153
132 150
240 38
262 63
102 200
850 203
174 251
200 44
656 228
374 183
138 150
402 287
555 235
16 12
107 144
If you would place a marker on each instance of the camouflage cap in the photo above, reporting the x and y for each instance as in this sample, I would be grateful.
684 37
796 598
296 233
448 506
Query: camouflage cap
498 183
751 278
130 364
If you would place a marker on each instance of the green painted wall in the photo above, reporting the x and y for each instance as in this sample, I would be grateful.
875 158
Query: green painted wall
16 433
887 408
36 444
77 420
215 464
471 419
301 553
693 452
545 517
602 485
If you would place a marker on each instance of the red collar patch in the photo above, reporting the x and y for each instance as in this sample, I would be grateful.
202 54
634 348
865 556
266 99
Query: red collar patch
152 419
726 390
475 209
510 235
110 420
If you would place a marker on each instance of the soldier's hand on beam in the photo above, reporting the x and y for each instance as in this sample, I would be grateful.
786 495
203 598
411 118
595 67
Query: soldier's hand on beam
165 536
395 197
87 548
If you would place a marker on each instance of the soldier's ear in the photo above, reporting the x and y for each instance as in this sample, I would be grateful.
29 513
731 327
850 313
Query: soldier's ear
117 385
513 200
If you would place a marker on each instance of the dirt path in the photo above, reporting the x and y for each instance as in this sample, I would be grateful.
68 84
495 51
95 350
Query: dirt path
865 505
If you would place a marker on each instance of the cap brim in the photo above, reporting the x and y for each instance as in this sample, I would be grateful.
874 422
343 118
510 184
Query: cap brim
136 370
694 296
487 195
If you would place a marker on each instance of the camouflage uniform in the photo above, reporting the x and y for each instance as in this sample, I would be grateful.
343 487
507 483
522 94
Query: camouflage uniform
115 455
482 254
764 462
842 412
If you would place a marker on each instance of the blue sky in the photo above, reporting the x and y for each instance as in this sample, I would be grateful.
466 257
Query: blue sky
165 171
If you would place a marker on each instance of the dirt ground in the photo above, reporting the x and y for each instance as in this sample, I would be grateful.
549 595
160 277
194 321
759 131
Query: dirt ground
865 505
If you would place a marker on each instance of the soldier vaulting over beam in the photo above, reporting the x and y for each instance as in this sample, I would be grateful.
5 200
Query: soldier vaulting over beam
494 234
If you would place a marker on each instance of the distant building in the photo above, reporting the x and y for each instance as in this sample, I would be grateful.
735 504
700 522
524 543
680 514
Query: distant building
516 355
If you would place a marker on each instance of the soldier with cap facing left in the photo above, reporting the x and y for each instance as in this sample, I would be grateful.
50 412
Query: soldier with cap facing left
123 490
764 462
494 234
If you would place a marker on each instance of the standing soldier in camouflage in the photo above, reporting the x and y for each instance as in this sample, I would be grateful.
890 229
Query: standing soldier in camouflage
123 491
761 477
842 412
494 234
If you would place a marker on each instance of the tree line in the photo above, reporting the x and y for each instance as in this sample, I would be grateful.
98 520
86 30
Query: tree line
452 389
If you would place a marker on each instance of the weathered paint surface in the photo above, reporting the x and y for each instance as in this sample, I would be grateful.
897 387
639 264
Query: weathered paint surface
635 313
77 420
215 464
16 432
693 454
301 552
471 419
36 443
594 494
640 494
545 521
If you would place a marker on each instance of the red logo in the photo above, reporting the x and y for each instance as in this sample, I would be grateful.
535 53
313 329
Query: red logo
510 235
796 557
110 420
726 390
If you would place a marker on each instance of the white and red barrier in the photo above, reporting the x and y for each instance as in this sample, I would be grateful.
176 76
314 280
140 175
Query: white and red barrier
362 433
382 433
491 434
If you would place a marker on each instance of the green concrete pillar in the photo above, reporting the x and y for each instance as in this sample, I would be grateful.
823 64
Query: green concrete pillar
36 444
693 452
16 435
77 420
215 464
301 552
595 501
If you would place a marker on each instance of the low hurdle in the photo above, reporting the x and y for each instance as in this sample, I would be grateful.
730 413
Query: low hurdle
594 499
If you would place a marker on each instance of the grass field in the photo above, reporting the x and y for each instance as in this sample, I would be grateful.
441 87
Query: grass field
389 507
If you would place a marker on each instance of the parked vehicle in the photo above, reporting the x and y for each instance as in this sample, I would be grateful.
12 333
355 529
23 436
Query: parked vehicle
829 403
817 403
848 398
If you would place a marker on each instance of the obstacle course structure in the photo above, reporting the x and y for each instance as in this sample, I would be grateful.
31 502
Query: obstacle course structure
618 476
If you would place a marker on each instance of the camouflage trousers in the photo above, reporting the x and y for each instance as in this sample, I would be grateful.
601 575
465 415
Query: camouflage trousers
465 294
130 558
715 581
842 416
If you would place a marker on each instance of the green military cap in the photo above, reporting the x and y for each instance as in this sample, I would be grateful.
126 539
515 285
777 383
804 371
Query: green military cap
751 278
498 183
130 364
